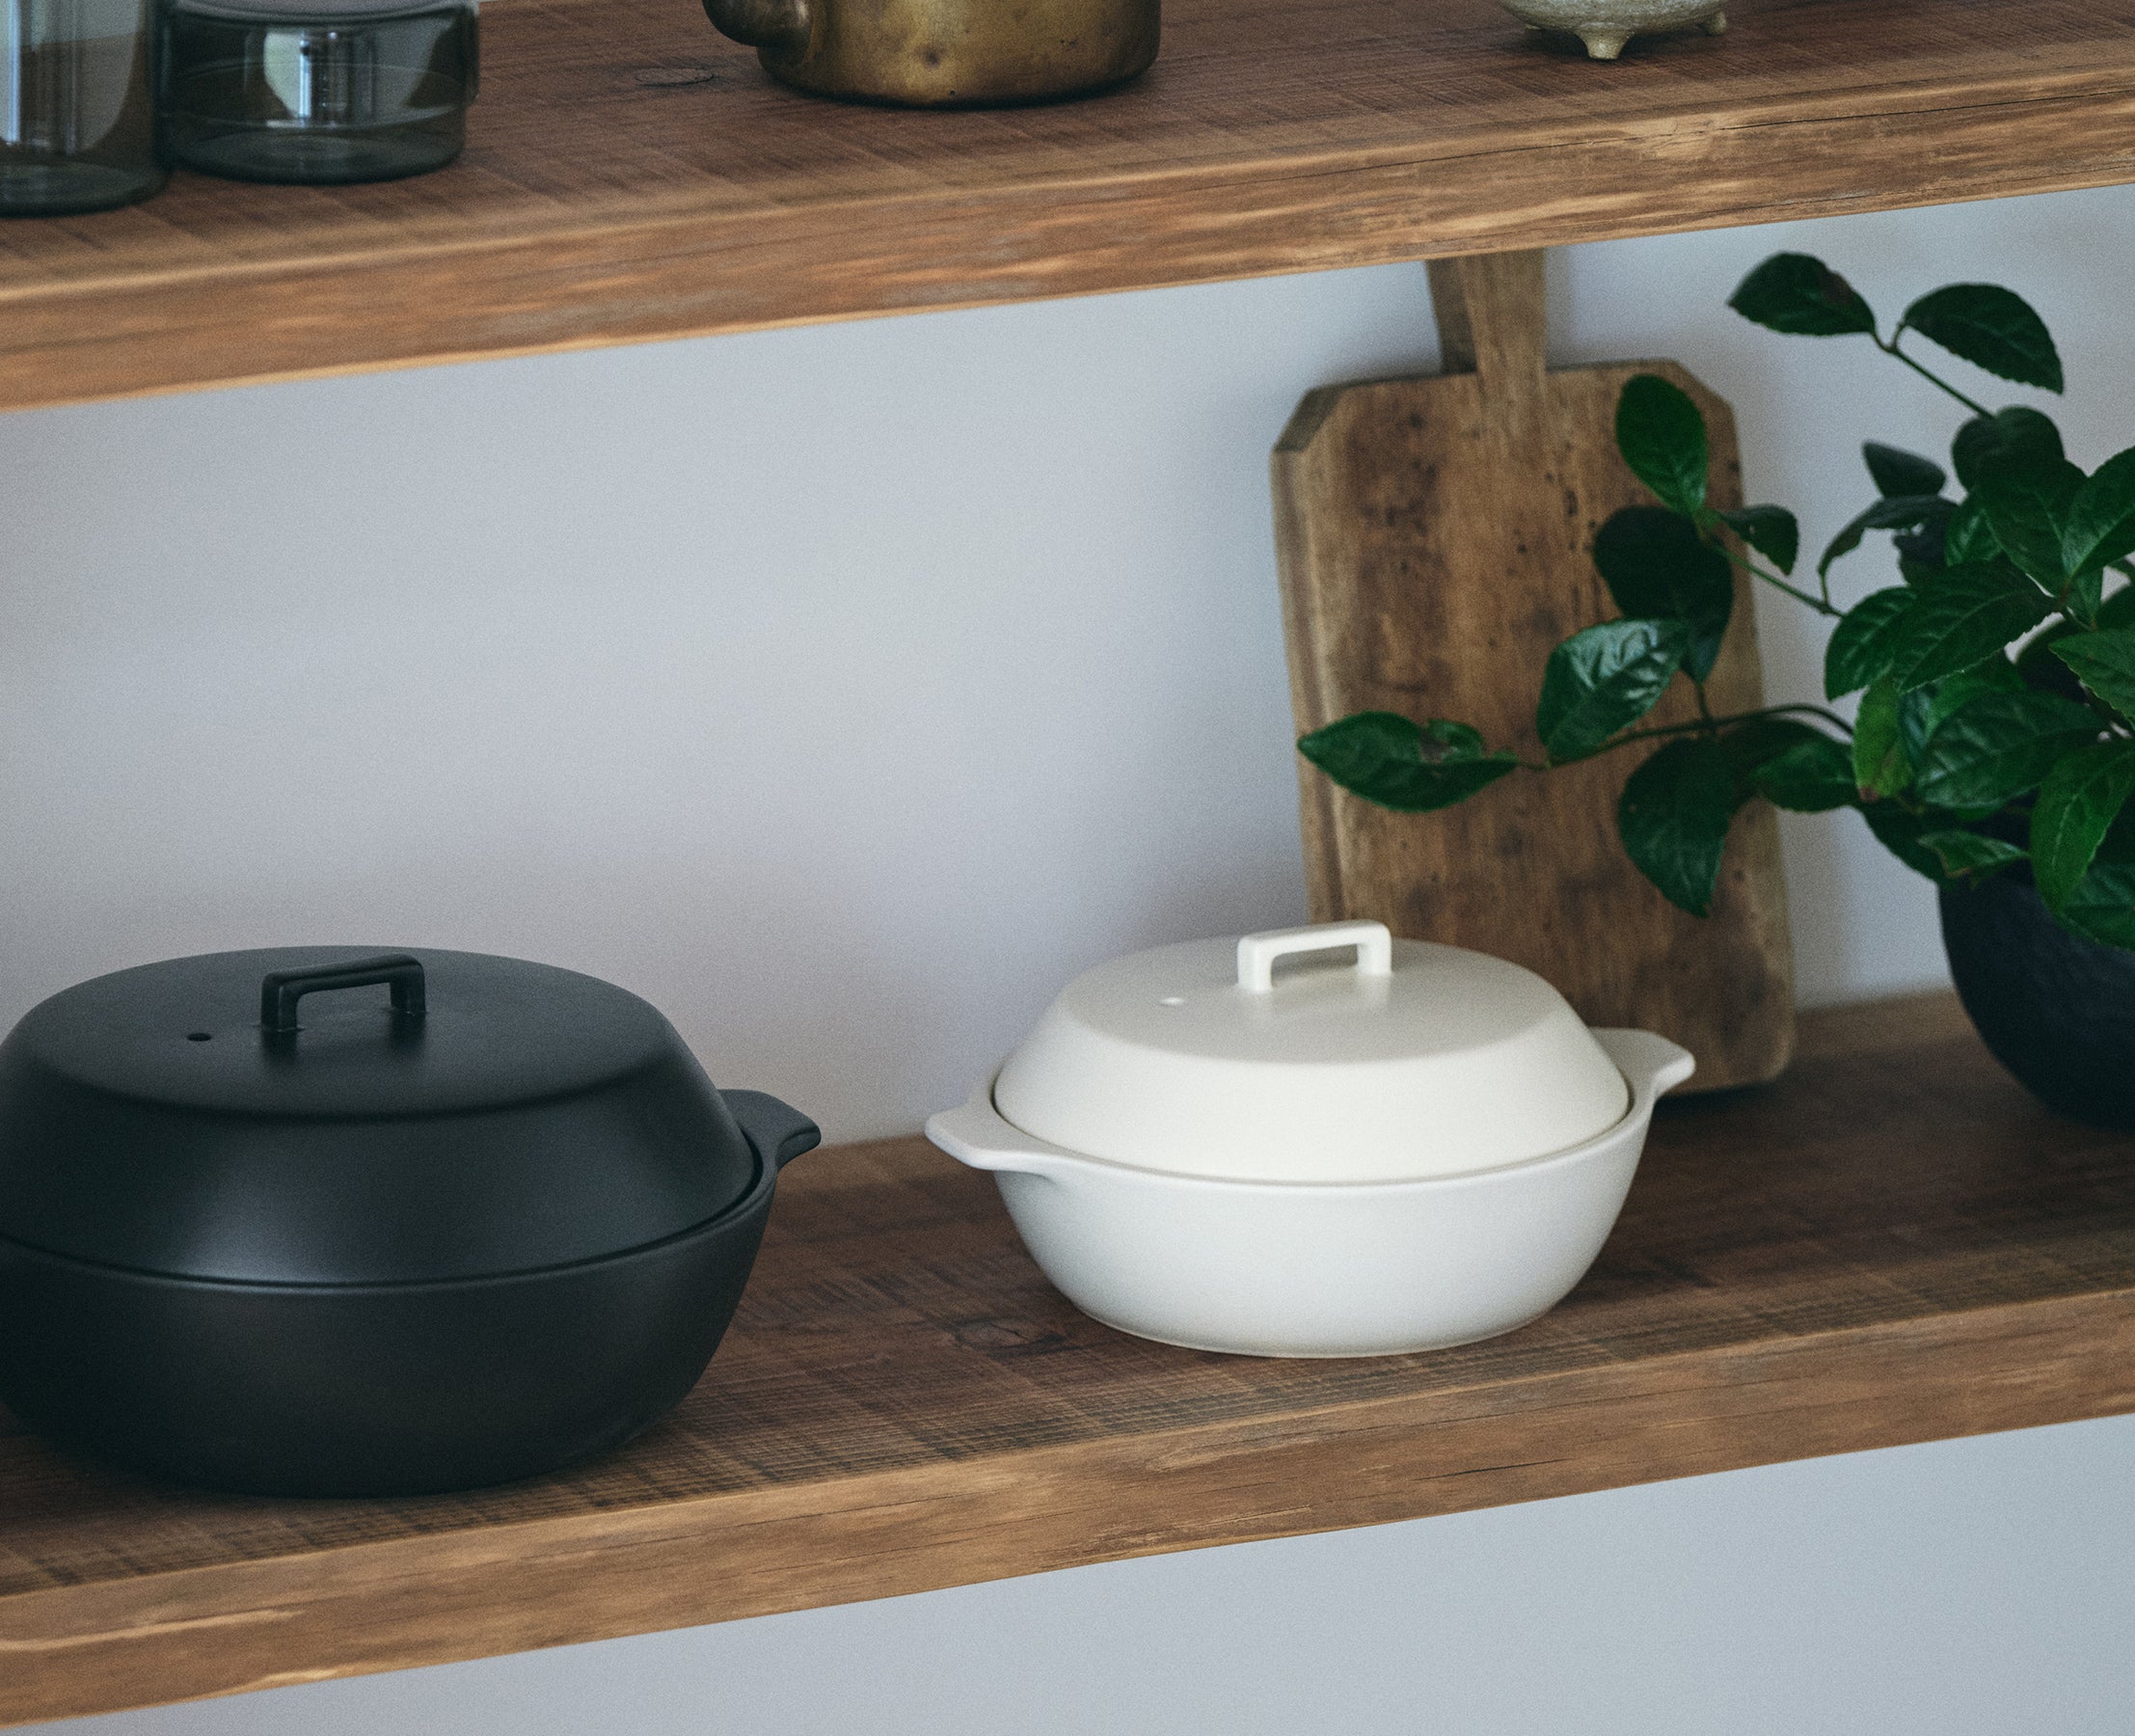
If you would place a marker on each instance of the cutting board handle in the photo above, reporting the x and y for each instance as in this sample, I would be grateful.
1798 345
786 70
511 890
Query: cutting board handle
1493 319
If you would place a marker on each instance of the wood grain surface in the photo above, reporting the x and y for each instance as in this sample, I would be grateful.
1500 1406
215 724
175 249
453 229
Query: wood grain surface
1892 1244
631 176
1434 537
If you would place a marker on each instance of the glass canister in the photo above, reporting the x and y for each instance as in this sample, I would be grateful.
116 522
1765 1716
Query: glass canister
318 91
78 112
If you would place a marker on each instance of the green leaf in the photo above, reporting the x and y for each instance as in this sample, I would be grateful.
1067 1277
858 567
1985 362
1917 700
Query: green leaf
2085 590
1916 721
1995 746
1920 552
1881 767
2042 670
1900 472
1904 513
2118 846
1971 856
1809 777
1797 293
1753 741
1605 679
2027 505
1990 327
1772 530
1996 674
1904 833
1400 764
1662 437
2102 907
1962 617
2082 797
1791 764
1658 567
2103 662
2118 609
2099 524
1865 640
1969 538
1674 818
2010 439
1920 713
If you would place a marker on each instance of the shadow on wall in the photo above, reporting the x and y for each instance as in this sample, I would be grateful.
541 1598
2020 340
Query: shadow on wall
843 690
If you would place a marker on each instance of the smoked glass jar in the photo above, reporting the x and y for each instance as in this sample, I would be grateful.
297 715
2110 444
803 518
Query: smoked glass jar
316 91
77 113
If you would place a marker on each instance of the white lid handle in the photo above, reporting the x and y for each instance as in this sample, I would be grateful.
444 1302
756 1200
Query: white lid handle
1258 953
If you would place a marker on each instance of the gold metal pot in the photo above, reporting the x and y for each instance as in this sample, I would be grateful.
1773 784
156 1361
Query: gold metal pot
945 53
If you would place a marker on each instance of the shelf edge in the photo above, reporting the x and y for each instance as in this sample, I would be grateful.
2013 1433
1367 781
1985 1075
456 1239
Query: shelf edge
447 1597
678 274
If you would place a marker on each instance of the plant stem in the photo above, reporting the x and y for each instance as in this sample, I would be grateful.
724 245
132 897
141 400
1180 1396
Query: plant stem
1823 605
1708 722
1928 375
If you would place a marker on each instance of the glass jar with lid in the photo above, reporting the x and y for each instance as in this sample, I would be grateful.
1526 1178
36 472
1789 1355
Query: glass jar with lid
318 91
77 113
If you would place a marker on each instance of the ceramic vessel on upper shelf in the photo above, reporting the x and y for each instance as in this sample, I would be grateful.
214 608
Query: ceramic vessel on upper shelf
77 110
1604 26
945 53
317 92
1418 1150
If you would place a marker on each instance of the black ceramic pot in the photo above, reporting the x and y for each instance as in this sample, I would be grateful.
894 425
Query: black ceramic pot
491 1224
2057 1010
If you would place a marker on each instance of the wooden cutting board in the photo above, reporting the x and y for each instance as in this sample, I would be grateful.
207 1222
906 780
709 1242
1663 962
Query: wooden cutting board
1434 540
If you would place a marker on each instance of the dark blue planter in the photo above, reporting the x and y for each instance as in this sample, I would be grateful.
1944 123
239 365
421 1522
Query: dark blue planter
2057 1010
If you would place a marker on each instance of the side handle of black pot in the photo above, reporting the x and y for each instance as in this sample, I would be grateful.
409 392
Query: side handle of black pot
778 1130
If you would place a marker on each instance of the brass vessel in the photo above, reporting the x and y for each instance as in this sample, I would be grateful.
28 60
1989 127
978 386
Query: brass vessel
945 53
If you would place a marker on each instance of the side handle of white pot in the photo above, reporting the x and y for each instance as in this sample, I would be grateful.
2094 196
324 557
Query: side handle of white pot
976 1134
1650 1064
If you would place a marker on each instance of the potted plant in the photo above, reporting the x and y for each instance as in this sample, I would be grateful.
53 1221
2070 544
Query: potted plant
1993 746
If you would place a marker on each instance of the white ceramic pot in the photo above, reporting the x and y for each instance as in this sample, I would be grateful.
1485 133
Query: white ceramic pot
1272 1269
1262 1060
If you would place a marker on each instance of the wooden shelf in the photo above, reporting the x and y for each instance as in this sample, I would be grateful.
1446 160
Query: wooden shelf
1892 1244
630 176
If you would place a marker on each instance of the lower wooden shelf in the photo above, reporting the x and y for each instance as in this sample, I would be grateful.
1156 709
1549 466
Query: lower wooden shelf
1891 1244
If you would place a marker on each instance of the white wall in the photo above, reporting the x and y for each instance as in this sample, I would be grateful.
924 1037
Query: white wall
840 690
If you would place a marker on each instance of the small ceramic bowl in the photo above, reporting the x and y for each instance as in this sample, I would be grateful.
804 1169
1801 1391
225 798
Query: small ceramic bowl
1604 26
1346 1268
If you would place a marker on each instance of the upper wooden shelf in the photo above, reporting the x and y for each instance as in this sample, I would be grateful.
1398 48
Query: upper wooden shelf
631 176
1891 1244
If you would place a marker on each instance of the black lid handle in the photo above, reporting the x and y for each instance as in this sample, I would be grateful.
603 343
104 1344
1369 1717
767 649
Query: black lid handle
281 990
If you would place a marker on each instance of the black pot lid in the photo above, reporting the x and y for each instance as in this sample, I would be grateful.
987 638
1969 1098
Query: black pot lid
344 1115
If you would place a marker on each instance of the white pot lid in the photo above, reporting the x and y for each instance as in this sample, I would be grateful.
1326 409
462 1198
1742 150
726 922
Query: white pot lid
1414 1060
